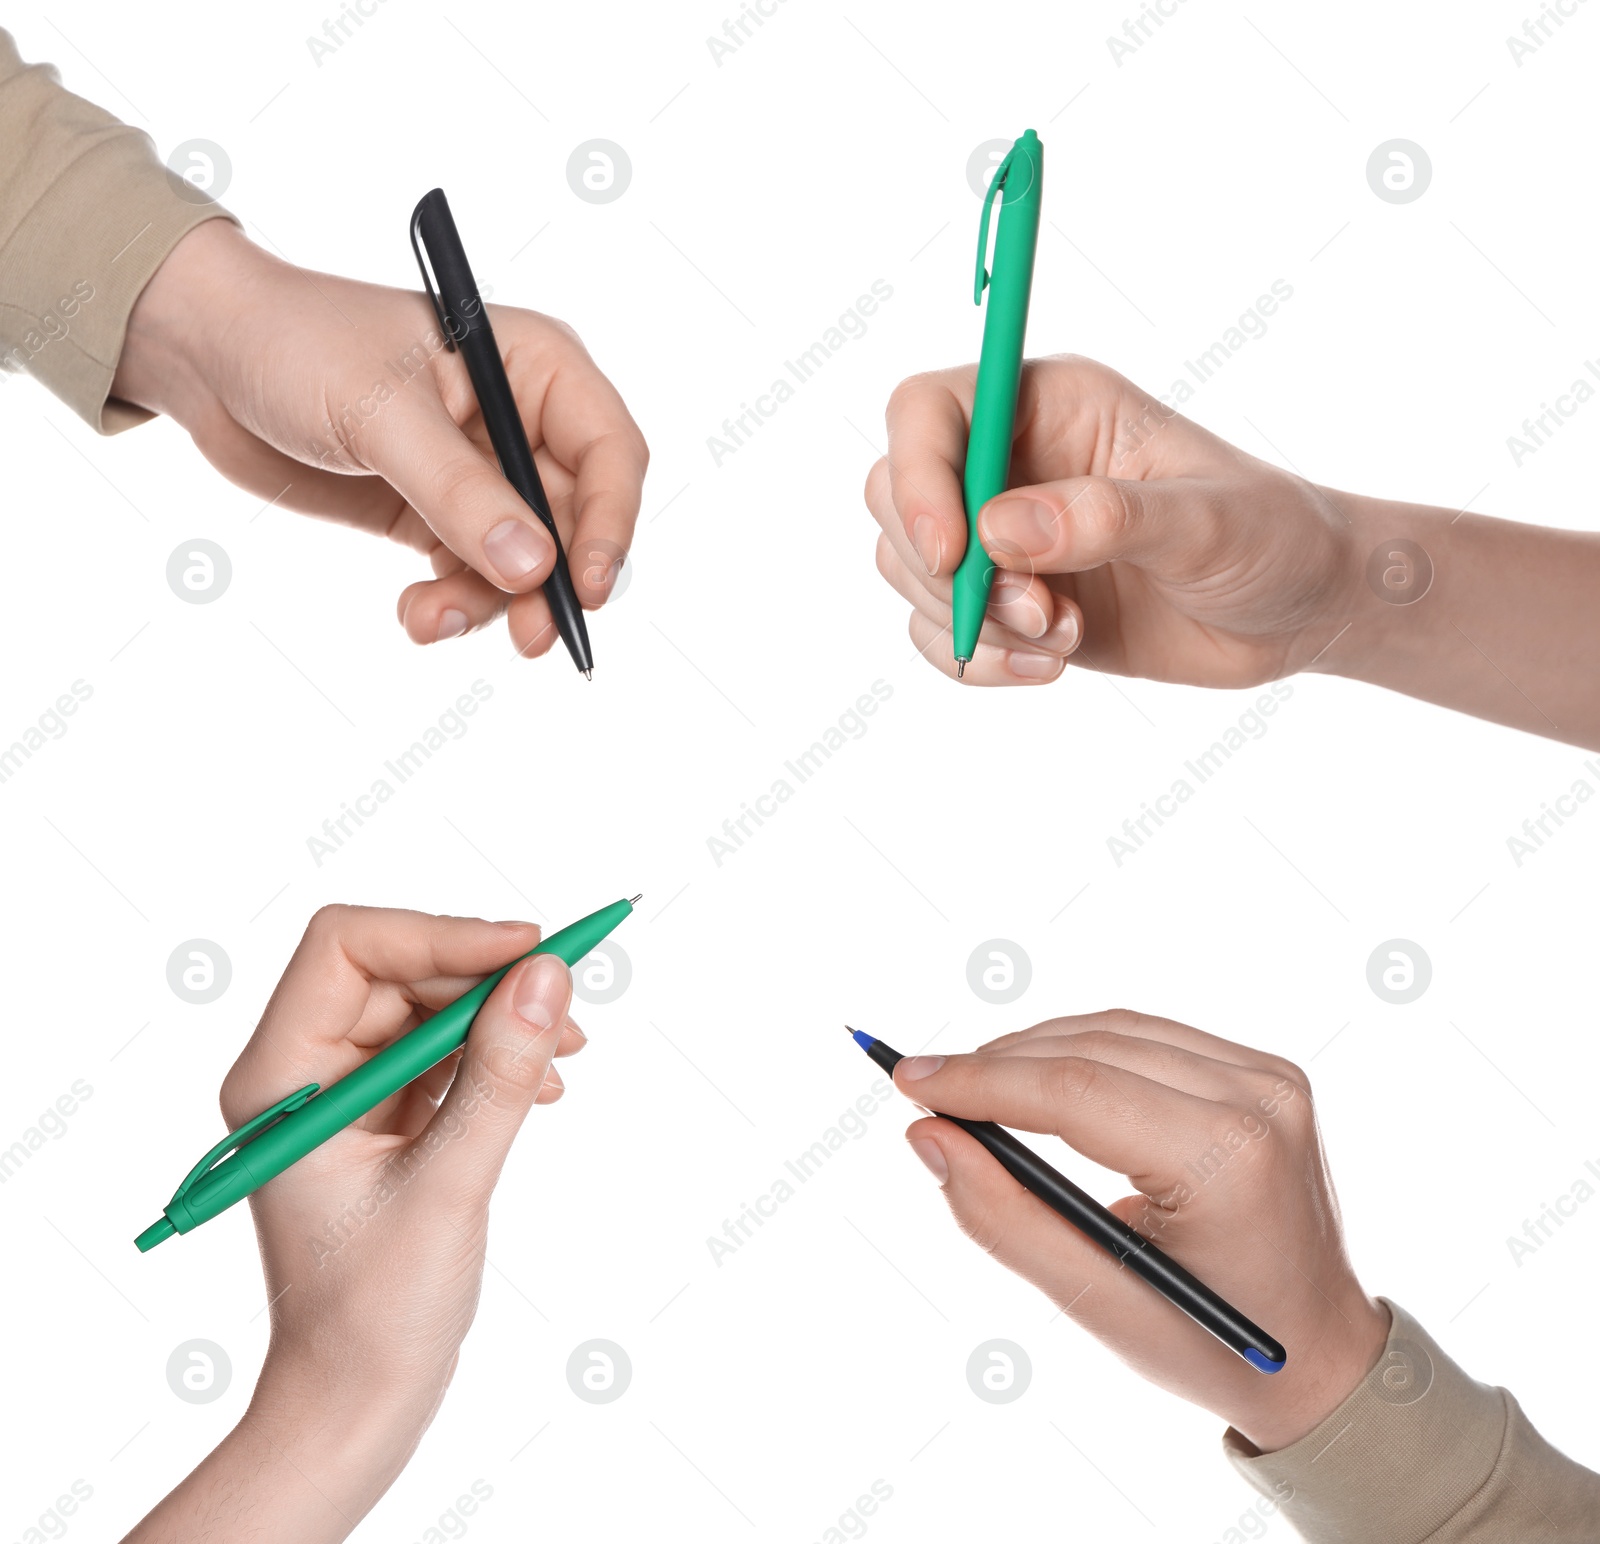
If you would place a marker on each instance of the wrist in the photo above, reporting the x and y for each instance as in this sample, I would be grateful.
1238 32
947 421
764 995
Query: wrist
359 1432
1323 1378
191 304
1379 609
303 1466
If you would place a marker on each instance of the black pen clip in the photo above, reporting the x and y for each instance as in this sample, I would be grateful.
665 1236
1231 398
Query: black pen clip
422 263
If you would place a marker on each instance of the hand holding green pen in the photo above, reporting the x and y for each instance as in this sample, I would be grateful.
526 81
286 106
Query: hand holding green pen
286 1131
372 1246
1019 182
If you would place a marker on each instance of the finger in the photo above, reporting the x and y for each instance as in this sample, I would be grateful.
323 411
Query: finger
1125 1021
1003 1218
572 1039
504 1068
1083 1280
881 506
1161 1062
533 626
433 610
410 1110
1121 1120
1082 522
435 467
990 666
596 564
610 476
551 1089
330 1004
585 424
1024 613
927 419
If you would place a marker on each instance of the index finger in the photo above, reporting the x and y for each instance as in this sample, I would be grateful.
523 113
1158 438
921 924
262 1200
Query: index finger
1135 1125
307 1032
928 418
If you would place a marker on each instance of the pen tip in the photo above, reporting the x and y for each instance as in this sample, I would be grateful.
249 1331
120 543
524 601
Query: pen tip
633 900
961 669
588 675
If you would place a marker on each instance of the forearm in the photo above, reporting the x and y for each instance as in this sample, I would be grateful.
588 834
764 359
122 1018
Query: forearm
303 1466
1507 628
87 214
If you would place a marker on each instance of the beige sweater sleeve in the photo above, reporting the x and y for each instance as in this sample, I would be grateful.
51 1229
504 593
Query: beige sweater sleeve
1420 1452
87 214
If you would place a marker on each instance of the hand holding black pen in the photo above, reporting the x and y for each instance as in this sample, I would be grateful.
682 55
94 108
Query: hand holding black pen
1235 1213
465 323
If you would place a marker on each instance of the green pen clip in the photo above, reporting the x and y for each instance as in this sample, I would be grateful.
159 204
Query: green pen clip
981 279
997 183
168 1223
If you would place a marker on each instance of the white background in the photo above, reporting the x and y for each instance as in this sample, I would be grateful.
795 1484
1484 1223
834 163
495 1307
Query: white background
767 194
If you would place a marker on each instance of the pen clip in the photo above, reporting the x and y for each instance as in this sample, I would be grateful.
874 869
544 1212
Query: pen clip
427 277
237 1139
996 182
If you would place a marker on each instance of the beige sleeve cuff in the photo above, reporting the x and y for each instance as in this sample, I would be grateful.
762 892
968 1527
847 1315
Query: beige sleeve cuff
87 215
1421 1452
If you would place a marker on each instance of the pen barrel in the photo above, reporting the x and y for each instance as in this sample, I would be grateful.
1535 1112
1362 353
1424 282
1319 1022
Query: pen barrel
1211 1312
511 449
994 404
466 321
333 1109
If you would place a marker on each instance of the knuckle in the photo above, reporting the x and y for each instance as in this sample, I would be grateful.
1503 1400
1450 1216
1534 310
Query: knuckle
1119 1021
511 1066
1086 375
1079 364
1266 1090
1005 1041
328 922
983 1228
876 487
1247 1125
565 332
1099 511
1069 1081
1295 1108
1096 1044
462 485
911 388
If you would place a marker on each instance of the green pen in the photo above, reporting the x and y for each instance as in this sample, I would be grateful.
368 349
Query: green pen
994 407
263 1148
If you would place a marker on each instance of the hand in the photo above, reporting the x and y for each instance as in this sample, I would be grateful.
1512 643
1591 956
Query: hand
337 398
373 1245
1222 1145
1133 541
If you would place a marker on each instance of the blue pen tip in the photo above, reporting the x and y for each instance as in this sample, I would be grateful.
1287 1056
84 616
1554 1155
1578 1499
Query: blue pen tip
1260 1362
862 1038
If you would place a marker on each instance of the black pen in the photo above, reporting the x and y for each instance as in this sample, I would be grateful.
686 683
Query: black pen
1109 1231
466 326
